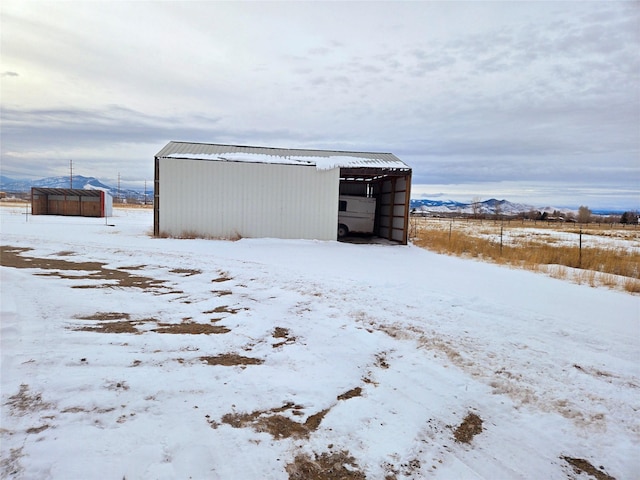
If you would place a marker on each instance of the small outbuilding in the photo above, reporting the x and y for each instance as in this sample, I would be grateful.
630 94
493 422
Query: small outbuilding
229 191
71 201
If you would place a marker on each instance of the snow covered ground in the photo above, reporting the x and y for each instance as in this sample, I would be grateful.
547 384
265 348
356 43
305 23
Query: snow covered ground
127 356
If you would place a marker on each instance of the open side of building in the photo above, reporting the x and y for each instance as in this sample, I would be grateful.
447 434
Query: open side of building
71 201
227 191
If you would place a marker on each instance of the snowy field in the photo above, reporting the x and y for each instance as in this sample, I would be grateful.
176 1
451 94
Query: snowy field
130 357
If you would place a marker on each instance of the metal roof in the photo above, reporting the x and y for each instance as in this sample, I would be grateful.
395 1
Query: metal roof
69 192
322 159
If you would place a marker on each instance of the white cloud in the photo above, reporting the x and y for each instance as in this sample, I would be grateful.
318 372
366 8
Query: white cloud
472 92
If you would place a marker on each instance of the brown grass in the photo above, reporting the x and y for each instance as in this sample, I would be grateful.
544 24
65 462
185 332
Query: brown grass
231 359
599 265
190 328
112 327
194 235
26 403
10 465
105 316
328 466
631 285
581 465
127 206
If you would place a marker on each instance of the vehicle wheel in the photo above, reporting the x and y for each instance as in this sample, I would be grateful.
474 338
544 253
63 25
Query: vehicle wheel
342 231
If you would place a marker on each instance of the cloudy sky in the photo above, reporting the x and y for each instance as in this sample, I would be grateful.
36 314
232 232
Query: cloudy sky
536 102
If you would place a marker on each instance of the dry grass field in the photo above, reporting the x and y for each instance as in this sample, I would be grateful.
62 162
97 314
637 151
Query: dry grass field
598 255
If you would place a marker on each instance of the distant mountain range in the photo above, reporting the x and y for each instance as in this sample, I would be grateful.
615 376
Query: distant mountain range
423 206
10 185
486 207
492 207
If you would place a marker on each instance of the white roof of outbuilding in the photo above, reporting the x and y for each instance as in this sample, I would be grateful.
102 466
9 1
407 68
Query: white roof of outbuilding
321 159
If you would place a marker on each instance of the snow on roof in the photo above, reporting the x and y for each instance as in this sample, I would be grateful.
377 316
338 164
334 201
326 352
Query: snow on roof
321 159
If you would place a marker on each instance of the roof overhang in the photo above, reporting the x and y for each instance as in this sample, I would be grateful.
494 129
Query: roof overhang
69 192
321 159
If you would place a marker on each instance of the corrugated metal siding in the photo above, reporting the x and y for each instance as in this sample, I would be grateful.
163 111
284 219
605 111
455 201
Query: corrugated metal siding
236 199
393 210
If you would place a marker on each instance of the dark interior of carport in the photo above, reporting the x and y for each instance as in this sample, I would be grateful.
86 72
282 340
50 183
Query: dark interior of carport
391 187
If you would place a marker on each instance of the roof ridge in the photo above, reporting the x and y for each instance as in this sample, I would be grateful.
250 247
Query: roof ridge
281 148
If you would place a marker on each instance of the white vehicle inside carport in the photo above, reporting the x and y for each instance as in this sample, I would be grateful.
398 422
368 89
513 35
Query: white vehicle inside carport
356 215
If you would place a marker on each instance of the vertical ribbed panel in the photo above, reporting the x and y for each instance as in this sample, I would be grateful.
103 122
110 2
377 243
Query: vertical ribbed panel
239 199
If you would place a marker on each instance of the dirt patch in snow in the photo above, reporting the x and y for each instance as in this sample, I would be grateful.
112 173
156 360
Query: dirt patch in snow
381 361
221 293
105 316
84 410
116 385
112 322
354 392
35 430
328 466
231 359
313 422
10 465
12 257
282 333
116 322
25 402
224 277
112 327
186 272
469 428
190 328
580 465
224 309
274 423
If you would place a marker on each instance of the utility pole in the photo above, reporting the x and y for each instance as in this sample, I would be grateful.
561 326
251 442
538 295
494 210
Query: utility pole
145 192
119 195
70 173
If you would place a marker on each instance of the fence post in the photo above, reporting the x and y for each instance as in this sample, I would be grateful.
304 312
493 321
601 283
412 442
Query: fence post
501 227
580 255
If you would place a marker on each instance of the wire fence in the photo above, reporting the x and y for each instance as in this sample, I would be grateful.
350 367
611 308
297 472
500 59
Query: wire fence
577 245
513 231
